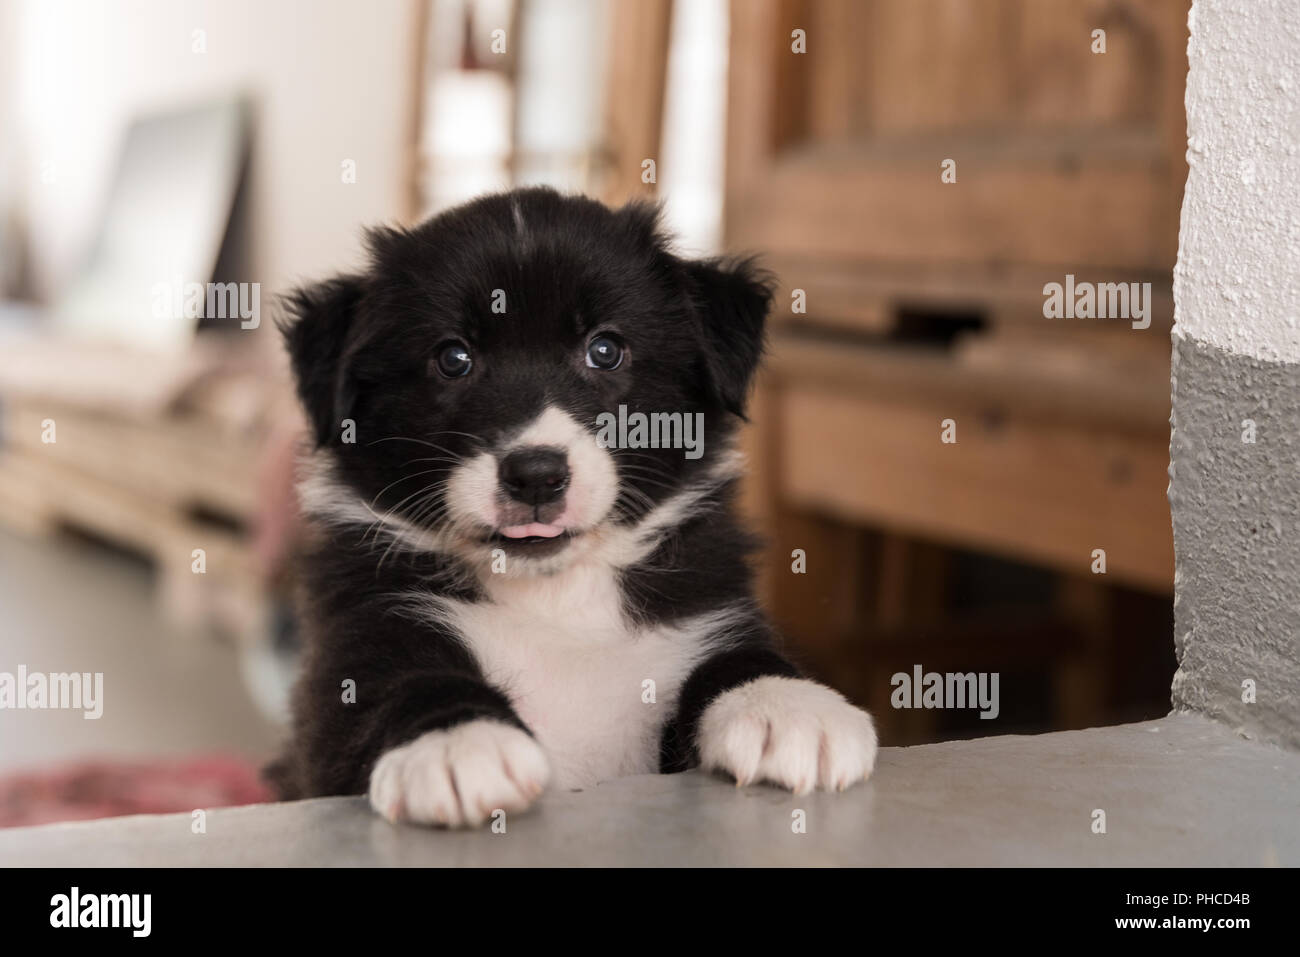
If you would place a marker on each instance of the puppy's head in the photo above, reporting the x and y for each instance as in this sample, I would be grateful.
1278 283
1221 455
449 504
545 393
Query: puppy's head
530 372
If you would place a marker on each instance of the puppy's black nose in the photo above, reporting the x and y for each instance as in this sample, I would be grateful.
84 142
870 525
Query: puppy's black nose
534 476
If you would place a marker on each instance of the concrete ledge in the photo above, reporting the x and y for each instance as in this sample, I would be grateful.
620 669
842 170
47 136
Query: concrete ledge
1180 791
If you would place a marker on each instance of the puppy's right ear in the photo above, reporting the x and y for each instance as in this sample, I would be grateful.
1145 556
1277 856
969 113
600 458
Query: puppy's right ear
316 332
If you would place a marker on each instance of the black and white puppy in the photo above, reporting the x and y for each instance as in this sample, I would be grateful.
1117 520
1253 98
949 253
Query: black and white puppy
498 597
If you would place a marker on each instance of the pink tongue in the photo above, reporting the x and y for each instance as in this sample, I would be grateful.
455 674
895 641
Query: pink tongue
534 528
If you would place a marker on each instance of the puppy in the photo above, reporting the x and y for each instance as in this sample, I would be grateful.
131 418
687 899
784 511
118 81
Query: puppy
503 590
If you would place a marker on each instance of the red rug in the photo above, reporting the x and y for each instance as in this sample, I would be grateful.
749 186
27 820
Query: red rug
95 789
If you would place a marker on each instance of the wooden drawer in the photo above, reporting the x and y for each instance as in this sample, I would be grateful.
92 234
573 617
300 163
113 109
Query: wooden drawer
1039 490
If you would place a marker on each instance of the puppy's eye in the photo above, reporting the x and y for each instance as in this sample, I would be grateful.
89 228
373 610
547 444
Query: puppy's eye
453 360
604 352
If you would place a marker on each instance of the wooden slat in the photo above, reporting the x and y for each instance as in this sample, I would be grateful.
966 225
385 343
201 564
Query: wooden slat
1037 491
1091 216
146 525
169 460
867 298
1127 404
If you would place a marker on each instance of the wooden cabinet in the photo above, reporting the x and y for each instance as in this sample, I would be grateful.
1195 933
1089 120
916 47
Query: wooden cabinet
924 298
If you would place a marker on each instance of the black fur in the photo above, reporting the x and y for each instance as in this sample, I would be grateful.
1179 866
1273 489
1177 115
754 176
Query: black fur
361 349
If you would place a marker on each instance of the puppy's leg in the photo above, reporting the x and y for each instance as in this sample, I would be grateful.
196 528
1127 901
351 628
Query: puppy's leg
459 776
451 751
746 712
789 731
431 746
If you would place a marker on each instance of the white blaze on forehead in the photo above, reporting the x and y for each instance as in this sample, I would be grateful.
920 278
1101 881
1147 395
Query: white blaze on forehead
519 218
593 480
554 427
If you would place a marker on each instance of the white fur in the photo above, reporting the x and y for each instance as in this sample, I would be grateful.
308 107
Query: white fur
575 671
787 731
472 491
518 215
460 776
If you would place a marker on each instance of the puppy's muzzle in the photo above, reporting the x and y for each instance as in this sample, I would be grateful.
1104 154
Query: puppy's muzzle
534 475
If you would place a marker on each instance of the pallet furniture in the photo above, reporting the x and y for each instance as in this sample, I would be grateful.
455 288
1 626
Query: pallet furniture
155 455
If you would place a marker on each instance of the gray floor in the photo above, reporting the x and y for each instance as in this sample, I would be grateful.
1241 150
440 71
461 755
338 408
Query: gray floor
69 606
1181 791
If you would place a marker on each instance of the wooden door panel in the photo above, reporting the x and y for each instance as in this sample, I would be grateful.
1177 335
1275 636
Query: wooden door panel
821 207
1064 156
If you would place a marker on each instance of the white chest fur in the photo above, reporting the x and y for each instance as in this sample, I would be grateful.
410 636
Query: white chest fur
595 692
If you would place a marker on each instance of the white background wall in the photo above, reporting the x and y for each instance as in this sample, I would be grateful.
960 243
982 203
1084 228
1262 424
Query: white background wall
330 79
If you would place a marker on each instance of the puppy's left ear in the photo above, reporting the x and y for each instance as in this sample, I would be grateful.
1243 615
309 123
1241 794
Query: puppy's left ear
731 299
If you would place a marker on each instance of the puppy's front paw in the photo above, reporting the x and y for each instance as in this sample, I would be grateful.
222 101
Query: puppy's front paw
788 731
460 776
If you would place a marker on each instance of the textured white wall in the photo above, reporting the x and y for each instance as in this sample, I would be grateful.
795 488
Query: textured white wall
1237 283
